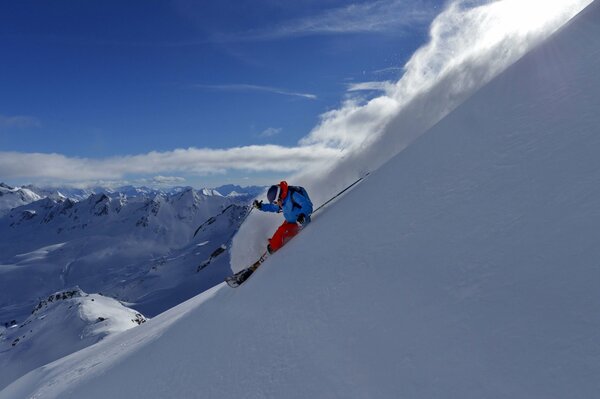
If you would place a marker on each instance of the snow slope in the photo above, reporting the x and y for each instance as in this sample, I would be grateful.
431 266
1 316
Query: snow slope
467 267
61 324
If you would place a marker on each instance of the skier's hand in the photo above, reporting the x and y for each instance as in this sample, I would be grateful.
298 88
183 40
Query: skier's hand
301 218
257 204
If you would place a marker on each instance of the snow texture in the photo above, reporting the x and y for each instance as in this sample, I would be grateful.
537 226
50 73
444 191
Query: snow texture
465 267
61 324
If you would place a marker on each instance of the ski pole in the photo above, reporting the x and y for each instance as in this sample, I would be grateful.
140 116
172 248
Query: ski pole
341 192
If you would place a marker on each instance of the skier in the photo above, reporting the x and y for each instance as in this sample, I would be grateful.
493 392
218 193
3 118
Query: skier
296 206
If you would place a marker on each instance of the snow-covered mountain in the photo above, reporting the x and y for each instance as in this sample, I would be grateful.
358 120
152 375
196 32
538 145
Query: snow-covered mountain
60 324
234 190
12 197
140 249
114 245
465 267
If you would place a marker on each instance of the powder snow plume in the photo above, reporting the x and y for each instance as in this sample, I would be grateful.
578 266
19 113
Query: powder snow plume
470 43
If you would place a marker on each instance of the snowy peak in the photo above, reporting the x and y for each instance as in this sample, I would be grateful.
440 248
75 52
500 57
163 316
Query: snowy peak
55 298
11 197
99 204
210 192
231 190
102 210
60 324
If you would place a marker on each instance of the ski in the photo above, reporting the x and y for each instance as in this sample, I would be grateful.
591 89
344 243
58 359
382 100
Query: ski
238 278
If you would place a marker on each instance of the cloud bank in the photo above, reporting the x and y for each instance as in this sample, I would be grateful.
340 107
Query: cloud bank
201 161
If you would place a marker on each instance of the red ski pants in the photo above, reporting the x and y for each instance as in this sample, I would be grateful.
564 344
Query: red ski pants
284 233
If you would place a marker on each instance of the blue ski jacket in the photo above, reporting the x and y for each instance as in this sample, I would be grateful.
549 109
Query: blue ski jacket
294 204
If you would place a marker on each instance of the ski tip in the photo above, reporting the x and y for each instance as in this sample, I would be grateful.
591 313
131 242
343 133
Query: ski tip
232 283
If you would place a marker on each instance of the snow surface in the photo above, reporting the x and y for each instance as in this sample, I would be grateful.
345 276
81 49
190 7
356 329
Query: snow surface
465 267
59 325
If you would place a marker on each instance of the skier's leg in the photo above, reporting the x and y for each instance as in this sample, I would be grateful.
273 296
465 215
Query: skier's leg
282 235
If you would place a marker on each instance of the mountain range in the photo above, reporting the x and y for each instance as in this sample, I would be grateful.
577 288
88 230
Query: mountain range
136 247
12 197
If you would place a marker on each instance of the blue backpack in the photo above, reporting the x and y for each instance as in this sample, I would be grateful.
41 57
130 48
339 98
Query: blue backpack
301 191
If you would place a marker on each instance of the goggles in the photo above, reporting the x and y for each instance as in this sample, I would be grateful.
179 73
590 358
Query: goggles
274 194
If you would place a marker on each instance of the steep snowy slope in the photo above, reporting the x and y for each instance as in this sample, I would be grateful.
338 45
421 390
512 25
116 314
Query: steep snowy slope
466 267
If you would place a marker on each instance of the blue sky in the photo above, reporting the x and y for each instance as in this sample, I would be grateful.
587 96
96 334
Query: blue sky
84 82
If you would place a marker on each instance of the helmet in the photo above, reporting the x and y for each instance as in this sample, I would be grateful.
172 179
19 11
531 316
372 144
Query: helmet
274 193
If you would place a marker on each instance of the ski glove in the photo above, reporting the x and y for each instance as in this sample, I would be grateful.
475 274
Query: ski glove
257 204
301 218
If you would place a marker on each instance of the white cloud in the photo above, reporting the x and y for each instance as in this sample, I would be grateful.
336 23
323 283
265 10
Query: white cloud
387 70
469 45
370 16
248 87
270 132
19 121
198 161
371 86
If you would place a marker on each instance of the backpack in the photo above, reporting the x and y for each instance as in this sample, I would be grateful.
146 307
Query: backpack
299 190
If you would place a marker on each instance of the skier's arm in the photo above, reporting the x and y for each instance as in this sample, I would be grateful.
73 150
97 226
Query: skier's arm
265 207
270 208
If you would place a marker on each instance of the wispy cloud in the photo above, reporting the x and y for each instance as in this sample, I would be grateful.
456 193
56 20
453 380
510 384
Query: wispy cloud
198 161
371 86
372 16
387 70
167 180
270 132
249 87
19 121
